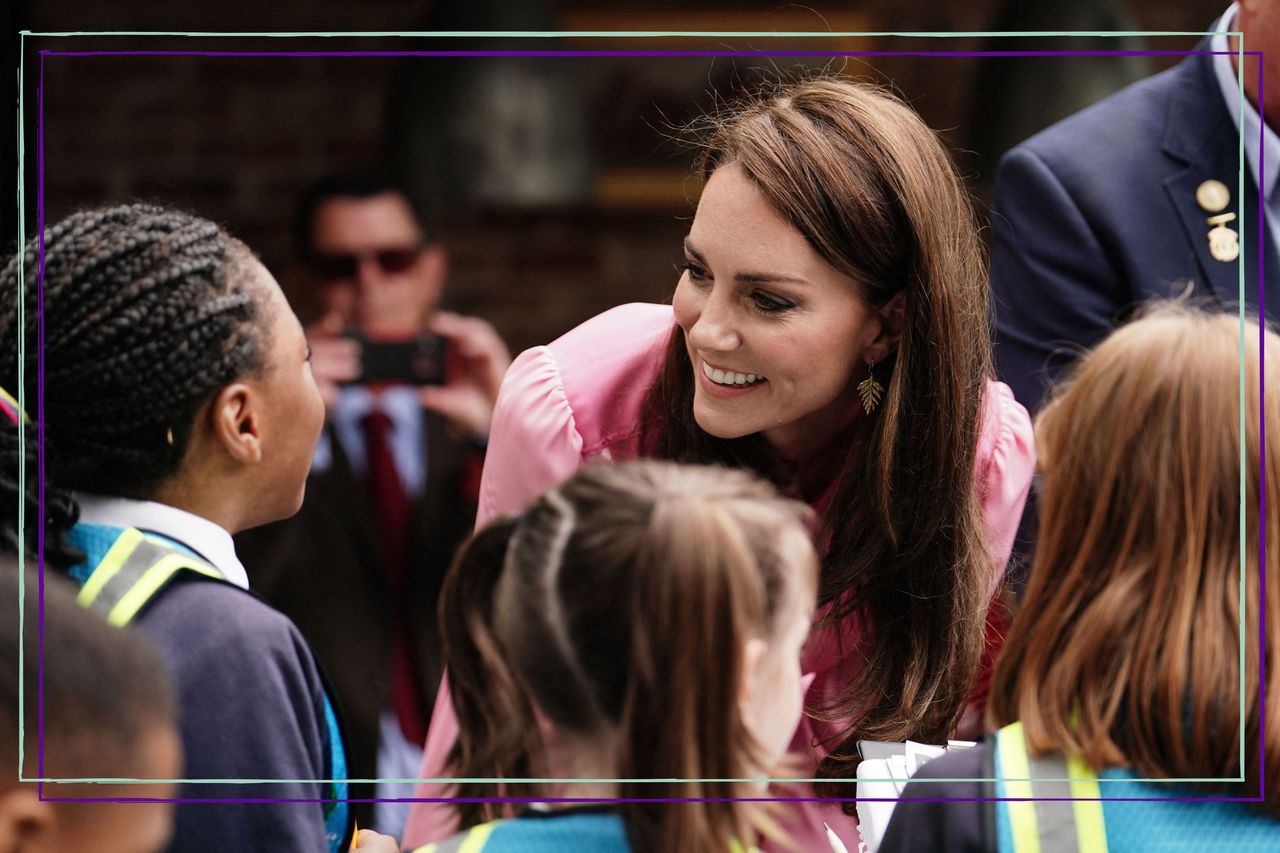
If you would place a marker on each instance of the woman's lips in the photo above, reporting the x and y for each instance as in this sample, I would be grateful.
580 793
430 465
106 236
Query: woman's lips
743 383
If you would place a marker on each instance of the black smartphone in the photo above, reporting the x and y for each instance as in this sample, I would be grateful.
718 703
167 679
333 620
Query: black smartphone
422 360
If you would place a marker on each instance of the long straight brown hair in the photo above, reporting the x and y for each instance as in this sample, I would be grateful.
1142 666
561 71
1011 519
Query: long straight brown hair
618 606
1127 647
873 191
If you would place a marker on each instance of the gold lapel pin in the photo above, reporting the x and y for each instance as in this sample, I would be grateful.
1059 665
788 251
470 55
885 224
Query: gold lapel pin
1212 196
1224 243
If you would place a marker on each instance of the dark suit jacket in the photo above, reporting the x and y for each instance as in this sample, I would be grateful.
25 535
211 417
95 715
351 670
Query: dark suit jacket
1098 213
957 824
324 569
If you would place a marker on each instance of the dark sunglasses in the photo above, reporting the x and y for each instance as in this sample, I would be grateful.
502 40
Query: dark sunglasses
345 265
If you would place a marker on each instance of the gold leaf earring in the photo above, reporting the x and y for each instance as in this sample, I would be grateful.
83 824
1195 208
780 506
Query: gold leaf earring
870 390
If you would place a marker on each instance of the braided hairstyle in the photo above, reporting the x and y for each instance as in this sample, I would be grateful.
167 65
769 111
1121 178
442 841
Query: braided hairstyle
147 312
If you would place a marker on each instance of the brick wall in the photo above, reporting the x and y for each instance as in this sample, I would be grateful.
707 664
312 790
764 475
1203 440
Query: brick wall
235 138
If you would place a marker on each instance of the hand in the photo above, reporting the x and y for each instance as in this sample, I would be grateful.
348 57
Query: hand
468 398
373 842
334 359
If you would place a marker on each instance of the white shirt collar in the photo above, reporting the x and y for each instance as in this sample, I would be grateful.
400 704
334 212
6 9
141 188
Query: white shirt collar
1249 125
398 401
211 541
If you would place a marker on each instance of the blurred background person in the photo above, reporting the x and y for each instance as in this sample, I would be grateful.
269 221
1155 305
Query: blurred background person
1135 198
393 484
107 710
1131 660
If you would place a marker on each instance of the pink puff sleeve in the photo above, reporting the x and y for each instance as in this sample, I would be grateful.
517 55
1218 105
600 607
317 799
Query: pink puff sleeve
1004 465
534 444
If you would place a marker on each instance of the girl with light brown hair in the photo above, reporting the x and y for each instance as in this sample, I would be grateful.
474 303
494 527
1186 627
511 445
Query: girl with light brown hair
1135 656
652 615
829 332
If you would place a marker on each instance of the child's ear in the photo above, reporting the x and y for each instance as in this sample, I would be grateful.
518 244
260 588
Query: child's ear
235 420
25 820
753 653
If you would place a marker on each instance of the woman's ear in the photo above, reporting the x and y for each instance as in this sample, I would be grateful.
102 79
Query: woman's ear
892 316
25 819
235 421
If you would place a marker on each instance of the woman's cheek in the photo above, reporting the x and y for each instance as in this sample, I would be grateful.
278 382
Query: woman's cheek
686 305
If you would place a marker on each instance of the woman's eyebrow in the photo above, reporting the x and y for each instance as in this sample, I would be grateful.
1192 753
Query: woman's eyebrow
766 277
746 277
697 256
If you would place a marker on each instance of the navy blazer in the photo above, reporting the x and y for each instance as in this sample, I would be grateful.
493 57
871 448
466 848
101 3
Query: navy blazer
1098 214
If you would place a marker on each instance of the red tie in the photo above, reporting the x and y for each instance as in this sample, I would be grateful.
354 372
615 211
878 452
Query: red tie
391 516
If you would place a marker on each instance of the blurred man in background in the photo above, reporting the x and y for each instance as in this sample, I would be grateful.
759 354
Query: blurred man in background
1138 197
395 477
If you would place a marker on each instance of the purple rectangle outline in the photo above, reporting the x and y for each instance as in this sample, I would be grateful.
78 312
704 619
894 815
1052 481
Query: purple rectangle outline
635 54
598 54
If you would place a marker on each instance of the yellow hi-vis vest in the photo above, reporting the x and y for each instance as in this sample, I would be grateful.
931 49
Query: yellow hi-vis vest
130 575
133 570
1055 802
471 841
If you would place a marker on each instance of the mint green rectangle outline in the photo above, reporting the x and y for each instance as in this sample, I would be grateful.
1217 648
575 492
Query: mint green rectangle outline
600 34
21 394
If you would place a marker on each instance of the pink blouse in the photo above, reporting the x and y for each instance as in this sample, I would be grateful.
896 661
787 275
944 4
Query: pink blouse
579 400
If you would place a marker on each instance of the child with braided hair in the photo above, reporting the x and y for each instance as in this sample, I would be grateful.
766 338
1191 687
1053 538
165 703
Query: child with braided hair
651 614
178 408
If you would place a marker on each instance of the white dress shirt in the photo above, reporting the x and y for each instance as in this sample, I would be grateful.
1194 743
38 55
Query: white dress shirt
402 404
209 540
1260 141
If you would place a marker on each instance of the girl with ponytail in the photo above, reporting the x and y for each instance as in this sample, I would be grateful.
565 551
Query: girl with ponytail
652 616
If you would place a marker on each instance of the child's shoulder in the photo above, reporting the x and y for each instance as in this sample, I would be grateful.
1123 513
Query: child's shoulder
215 618
550 832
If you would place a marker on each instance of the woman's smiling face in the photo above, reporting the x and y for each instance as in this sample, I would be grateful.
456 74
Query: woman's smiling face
778 337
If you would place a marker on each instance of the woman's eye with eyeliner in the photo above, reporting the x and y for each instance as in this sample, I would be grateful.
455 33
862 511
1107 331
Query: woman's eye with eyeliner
695 272
771 304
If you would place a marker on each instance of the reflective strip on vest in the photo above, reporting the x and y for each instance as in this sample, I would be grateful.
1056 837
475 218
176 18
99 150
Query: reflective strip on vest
133 570
1063 812
472 841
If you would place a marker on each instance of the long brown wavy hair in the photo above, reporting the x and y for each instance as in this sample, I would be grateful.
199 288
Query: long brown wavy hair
618 606
873 191
1126 651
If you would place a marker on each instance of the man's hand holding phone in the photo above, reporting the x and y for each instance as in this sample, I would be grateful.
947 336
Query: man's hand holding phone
335 360
457 362
479 361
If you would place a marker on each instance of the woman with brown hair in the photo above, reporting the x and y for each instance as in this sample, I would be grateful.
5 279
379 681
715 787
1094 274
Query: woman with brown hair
1131 659
653 615
828 331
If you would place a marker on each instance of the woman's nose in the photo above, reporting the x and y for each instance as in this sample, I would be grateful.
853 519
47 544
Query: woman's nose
716 328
